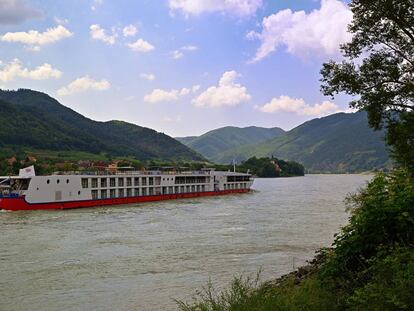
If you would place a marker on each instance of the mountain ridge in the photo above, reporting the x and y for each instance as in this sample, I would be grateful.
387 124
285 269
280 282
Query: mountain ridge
341 142
228 137
57 127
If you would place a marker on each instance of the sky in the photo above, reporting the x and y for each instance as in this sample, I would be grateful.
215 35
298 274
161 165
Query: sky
182 67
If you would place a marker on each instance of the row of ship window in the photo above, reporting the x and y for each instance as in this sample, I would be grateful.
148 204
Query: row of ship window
129 192
235 186
120 182
137 181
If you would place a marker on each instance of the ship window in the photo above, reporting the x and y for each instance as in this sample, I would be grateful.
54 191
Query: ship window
120 182
79 192
151 191
48 181
121 193
144 181
94 194
67 181
58 181
104 194
85 183
112 182
94 182
103 183
129 192
136 181
129 182
144 191
112 193
151 181
136 192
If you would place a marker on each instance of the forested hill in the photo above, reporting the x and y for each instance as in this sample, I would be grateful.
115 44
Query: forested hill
217 141
341 142
34 120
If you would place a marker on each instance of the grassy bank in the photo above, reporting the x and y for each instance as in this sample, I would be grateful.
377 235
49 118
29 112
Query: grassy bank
370 265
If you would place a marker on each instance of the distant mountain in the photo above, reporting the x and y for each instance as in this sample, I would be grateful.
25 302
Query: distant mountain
217 141
336 143
35 120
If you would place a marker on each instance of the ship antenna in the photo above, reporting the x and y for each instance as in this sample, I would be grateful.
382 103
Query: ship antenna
234 166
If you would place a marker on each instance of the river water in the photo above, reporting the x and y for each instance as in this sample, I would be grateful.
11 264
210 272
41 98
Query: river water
142 257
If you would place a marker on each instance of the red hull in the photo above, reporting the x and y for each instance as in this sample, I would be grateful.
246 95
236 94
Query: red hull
20 204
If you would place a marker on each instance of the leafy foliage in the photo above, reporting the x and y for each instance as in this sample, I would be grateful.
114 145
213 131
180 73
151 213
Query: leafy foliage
383 82
272 167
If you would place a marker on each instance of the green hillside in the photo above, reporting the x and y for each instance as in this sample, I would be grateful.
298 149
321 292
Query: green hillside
34 120
214 142
337 143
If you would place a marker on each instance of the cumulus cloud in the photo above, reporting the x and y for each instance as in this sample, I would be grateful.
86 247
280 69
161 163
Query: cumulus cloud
159 95
16 12
147 76
15 69
141 46
35 39
319 32
84 84
98 33
130 31
299 106
95 4
227 93
240 8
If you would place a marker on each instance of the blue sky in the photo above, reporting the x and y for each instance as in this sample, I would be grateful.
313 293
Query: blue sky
182 67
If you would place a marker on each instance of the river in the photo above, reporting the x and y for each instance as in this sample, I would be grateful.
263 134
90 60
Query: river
141 257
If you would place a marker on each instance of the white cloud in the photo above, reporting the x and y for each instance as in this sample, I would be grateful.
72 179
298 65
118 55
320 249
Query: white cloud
189 48
227 93
130 31
16 12
240 8
195 88
98 33
319 32
35 39
84 84
141 46
147 76
96 4
159 95
15 69
60 21
298 106
177 54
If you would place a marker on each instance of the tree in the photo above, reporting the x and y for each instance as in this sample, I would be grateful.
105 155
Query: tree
378 70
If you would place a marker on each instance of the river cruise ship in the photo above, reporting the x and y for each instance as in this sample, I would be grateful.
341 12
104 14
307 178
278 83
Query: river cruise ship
102 188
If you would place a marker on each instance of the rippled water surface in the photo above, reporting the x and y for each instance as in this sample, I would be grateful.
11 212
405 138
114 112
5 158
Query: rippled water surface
140 257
